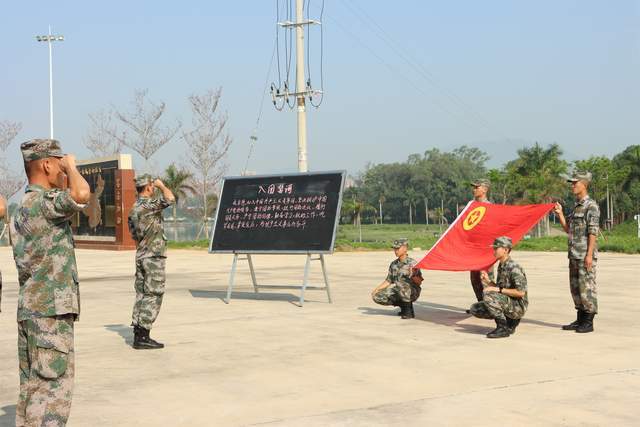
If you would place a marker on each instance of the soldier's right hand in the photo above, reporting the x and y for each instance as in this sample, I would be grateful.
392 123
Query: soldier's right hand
158 183
68 162
557 208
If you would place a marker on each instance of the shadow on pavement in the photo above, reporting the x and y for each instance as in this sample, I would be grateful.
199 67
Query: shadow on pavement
540 323
391 311
126 332
221 295
8 416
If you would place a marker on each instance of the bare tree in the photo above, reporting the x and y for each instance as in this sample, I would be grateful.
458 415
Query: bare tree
208 144
10 181
147 135
100 139
8 132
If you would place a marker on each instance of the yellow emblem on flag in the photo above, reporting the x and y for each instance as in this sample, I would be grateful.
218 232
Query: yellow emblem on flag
474 217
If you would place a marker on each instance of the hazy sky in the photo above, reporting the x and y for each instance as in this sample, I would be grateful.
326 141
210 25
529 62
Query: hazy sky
400 77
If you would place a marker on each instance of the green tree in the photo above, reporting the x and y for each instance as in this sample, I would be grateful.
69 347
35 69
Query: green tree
537 174
606 183
178 181
629 196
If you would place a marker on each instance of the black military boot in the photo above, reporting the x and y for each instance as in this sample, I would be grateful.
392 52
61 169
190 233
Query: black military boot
407 310
587 323
142 341
501 331
574 325
512 324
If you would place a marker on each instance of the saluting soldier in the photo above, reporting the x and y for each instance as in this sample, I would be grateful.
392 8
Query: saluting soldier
49 299
582 226
147 229
505 300
402 285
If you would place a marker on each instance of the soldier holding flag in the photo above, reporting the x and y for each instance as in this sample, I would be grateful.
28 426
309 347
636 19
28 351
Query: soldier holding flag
582 227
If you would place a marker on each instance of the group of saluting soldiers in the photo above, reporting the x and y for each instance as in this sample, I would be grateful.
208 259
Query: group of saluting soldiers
49 301
505 300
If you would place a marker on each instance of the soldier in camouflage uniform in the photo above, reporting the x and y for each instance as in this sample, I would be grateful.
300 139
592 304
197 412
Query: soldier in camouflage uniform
3 211
506 300
480 190
402 285
147 229
582 226
49 299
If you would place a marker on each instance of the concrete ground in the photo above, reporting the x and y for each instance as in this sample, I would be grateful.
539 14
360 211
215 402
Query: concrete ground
263 360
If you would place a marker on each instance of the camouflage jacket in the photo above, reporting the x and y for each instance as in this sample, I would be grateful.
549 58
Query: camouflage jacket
400 271
147 227
511 276
43 250
583 221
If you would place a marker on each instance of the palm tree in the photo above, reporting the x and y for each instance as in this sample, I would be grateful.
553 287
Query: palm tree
178 181
411 199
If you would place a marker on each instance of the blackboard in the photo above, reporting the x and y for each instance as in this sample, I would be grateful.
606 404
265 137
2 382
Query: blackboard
294 213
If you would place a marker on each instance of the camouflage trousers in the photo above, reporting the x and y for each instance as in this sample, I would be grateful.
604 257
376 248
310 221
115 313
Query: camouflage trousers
46 363
149 285
396 293
495 305
582 284
476 284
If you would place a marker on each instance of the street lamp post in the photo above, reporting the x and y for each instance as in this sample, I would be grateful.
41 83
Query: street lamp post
50 38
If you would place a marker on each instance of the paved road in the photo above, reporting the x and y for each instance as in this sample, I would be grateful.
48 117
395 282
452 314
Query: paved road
263 360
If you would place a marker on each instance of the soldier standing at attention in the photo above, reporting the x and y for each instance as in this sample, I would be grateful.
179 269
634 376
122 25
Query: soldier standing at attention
582 226
402 285
147 229
3 212
480 190
48 299
506 300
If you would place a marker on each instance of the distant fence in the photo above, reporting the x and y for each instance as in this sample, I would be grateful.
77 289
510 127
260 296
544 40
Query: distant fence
186 231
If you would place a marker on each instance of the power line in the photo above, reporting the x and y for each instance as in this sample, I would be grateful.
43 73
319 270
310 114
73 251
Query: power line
254 134
397 73
454 99
309 81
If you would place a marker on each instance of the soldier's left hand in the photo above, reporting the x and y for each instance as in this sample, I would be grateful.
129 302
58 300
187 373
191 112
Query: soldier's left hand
484 278
491 289
588 262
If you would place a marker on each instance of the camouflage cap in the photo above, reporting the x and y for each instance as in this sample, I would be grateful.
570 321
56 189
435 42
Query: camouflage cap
479 182
37 149
581 176
398 243
503 242
142 180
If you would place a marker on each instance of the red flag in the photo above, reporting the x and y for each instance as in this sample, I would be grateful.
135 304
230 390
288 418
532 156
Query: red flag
466 243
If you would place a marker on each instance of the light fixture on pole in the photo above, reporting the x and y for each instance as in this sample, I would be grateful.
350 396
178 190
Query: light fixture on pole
50 38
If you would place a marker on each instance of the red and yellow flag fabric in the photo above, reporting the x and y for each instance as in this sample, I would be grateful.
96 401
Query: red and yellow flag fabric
465 246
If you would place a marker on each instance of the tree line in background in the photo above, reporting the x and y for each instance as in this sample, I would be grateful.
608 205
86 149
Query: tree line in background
143 128
435 186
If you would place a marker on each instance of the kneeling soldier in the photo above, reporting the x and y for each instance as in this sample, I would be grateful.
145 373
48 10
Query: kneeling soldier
402 285
505 301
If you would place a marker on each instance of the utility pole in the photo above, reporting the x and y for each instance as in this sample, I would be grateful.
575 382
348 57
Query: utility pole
302 89
50 39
